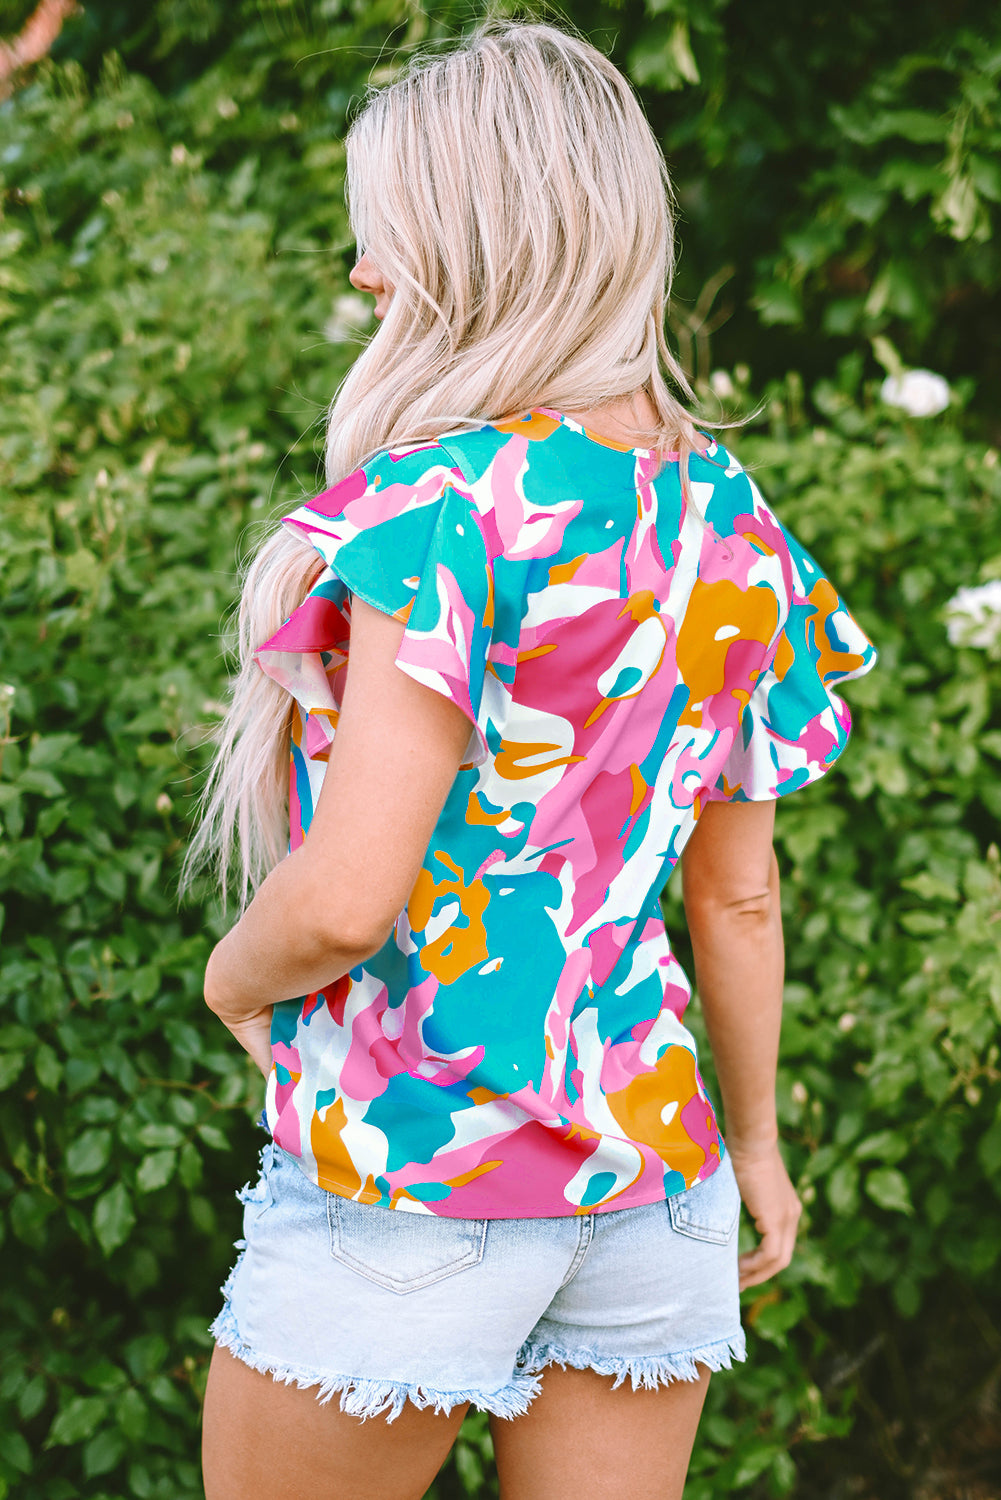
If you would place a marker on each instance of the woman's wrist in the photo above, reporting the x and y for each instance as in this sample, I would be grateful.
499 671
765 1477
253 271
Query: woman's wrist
752 1145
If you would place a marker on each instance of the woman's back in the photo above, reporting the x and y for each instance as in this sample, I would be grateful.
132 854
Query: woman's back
516 1048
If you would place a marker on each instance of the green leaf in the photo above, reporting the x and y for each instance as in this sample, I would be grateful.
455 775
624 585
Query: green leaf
30 1212
189 1167
76 1420
886 1145
52 749
932 887
102 1374
103 1452
14 1450
146 1355
989 1149
82 570
469 1467
842 1188
783 1472
32 1398
11 1064
89 1153
114 1218
923 922
214 1137
959 207
133 1415
907 1296
156 1170
42 782
888 1188
663 58
159 1134
48 1068
779 302
754 1462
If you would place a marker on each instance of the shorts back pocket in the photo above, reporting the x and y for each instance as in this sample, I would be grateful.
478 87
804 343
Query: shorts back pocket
709 1210
401 1251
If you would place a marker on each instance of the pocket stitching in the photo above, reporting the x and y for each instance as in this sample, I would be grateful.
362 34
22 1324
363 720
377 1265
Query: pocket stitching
401 1286
682 1221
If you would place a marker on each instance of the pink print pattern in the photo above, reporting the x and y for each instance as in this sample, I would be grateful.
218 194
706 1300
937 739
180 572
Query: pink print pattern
517 1047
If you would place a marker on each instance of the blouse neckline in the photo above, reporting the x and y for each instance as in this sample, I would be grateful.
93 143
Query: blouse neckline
594 437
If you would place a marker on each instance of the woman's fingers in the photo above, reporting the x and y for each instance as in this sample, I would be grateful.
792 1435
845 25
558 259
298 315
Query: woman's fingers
254 1036
770 1199
771 1255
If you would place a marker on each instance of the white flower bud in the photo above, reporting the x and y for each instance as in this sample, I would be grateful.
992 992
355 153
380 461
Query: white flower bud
920 393
973 616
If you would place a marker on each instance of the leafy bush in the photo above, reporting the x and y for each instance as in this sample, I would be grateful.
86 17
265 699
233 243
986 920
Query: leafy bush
166 269
838 172
149 324
842 169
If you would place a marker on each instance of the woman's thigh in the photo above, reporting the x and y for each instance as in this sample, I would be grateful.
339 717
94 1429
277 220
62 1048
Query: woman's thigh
264 1440
582 1437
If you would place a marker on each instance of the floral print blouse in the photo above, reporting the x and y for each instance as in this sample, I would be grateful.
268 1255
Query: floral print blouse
517 1047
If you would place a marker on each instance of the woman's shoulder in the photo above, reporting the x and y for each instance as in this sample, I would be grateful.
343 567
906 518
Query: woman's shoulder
729 497
397 479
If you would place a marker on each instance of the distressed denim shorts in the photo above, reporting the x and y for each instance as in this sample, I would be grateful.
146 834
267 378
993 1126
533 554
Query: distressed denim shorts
382 1306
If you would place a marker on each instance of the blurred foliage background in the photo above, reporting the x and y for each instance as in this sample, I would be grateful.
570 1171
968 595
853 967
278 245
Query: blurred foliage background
174 316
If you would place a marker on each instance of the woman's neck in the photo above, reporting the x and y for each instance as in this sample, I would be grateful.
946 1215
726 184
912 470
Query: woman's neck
625 420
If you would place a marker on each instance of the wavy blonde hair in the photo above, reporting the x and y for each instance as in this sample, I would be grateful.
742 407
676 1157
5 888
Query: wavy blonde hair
514 197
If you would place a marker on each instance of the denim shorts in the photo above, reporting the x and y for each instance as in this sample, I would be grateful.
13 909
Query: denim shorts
383 1306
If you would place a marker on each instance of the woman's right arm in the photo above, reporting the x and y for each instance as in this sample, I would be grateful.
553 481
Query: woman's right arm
731 892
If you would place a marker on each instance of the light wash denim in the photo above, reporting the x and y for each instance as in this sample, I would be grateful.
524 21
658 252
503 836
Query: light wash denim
384 1306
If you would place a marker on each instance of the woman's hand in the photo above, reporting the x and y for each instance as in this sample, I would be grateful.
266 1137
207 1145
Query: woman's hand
252 1029
254 1036
770 1199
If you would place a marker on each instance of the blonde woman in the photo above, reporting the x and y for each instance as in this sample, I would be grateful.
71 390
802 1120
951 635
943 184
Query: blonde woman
538 637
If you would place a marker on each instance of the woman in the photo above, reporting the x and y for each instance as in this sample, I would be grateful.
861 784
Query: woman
539 637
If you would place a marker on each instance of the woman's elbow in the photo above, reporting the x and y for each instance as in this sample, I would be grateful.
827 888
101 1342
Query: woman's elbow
353 936
746 911
359 917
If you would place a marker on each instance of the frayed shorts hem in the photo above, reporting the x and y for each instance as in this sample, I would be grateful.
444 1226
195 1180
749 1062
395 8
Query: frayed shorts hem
364 1398
646 1373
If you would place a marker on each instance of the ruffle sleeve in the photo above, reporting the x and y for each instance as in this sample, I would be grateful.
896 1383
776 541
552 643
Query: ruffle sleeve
794 725
403 535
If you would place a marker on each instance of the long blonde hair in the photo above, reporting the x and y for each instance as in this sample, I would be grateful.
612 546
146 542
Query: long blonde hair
513 195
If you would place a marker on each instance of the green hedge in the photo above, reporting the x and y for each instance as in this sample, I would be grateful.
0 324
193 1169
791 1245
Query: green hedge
838 167
162 360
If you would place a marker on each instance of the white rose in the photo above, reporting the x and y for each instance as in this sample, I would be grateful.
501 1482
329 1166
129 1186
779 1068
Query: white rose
973 616
920 393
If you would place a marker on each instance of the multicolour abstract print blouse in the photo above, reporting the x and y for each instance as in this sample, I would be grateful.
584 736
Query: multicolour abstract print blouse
516 1048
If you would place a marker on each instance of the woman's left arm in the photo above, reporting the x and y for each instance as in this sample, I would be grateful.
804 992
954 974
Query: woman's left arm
332 903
